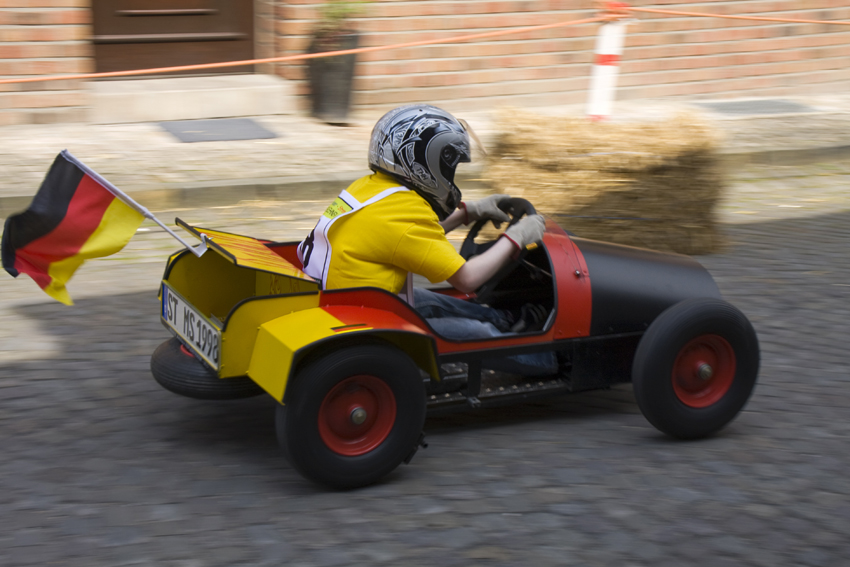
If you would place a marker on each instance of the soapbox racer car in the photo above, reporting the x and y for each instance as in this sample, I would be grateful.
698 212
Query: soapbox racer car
355 370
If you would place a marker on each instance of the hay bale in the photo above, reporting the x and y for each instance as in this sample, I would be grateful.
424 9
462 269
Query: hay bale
653 185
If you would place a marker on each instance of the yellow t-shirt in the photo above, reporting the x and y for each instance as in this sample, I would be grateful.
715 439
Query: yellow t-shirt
379 244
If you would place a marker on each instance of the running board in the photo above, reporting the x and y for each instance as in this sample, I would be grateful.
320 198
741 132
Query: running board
496 395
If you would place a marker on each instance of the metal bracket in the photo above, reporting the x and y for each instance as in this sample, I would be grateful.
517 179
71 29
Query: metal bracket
202 247
420 443
473 383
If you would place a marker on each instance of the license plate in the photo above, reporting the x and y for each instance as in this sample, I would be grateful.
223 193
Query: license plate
200 335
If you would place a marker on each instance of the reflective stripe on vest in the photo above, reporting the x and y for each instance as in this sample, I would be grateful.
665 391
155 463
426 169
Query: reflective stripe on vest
315 250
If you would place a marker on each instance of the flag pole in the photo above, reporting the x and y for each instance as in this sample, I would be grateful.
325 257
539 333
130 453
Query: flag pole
196 250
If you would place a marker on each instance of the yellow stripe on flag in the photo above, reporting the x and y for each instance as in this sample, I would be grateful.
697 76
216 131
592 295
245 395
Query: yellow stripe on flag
116 228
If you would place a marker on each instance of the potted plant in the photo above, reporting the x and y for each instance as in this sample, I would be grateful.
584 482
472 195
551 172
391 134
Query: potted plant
331 77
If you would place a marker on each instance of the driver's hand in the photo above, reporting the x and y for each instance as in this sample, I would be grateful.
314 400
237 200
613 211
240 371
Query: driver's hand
529 230
486 208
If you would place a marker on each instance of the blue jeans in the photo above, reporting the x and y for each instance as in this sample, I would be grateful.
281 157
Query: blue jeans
460 320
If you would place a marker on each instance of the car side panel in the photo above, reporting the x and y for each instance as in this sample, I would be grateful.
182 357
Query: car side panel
384 300
283 341
632 286
243 325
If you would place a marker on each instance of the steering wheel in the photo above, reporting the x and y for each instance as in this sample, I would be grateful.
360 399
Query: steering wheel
516 208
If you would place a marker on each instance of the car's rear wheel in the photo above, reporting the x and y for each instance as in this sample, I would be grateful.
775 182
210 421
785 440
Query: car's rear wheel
176 369
695 367
352 416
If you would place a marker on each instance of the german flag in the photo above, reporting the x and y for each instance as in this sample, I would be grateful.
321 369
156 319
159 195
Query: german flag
76 215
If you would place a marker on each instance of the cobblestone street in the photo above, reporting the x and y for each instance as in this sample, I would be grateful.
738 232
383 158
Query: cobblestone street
102 467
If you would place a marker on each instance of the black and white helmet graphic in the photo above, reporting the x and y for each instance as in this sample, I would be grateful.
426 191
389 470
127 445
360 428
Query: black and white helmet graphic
420 145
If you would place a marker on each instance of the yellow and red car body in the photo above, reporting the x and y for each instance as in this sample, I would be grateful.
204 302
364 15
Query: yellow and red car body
270 315
346 365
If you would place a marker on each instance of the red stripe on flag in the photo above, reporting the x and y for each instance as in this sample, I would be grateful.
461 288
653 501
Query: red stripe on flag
607 59
85 211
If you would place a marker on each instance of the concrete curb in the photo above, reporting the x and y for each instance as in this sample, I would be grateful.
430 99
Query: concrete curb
232 191
796 156
217 193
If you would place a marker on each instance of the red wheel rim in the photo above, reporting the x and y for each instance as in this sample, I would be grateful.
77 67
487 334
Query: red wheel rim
704 371
357 415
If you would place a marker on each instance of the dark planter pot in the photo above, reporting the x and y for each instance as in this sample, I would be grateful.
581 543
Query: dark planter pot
330 77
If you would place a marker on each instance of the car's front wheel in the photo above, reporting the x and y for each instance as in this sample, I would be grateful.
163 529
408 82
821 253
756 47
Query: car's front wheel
352 416
695 367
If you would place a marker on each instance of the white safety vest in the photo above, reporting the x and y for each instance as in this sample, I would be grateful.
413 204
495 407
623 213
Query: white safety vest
315 250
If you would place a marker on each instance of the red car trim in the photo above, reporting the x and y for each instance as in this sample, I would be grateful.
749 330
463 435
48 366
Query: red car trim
573 284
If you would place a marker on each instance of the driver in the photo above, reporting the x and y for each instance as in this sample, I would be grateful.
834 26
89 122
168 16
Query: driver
394 222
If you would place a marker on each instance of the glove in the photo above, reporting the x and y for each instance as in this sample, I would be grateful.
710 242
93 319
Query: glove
528 230
486 208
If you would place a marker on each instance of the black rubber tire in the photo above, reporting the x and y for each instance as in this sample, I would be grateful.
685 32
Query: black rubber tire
183 374
657 352
297 422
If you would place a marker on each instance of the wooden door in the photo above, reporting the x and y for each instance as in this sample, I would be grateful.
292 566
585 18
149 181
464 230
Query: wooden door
144 34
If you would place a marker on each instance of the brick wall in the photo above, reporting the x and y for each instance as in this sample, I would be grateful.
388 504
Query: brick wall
664 56
44 37
265 44
710 56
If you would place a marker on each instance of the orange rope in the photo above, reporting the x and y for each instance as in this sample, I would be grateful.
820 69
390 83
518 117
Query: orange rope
615 10
706 15
303 56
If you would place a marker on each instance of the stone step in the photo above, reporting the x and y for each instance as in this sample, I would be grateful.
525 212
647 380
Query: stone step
189 98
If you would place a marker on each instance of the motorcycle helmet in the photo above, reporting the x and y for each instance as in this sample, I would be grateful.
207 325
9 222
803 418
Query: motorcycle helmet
420 145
